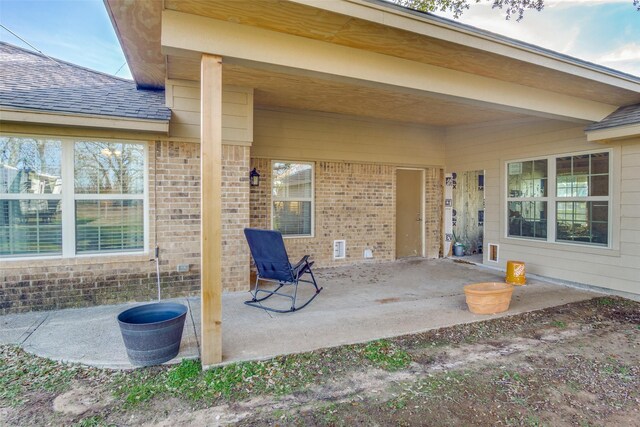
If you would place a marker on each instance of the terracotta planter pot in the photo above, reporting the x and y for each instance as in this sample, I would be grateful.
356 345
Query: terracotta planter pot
488 297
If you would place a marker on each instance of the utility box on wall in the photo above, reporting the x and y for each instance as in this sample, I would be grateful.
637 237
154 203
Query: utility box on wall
339 249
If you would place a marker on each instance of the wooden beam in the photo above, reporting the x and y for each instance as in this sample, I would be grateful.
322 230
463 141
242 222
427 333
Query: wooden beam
211 208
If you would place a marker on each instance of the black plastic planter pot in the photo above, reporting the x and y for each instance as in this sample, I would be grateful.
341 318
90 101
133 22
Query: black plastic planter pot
152 332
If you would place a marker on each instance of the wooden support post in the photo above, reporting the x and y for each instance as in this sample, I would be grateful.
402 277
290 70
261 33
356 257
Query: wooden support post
211 208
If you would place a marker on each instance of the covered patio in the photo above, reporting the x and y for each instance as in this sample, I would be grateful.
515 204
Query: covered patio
358 304
357 91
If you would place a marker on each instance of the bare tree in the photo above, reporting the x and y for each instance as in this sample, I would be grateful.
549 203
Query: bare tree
108 167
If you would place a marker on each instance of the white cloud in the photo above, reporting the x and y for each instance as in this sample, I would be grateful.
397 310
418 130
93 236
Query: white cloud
625 58
627 52
541 29
567 26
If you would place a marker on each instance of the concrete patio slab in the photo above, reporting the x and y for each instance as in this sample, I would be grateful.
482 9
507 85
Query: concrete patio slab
16 329
368 302
90 336
358 304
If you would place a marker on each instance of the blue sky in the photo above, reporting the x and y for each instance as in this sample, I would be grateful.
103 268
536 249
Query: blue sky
76 31
605 32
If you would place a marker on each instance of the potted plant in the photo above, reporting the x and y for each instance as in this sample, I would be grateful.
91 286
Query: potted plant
152 332
458 246
458 249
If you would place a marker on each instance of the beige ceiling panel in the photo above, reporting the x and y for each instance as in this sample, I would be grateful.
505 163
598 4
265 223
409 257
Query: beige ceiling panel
282 90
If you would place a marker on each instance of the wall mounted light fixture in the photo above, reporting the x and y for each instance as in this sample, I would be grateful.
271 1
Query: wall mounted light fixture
254 178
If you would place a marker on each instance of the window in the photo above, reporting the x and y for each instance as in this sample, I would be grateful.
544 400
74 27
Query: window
292 198
30 197
67 198
583 198
527 199
109 196
578 201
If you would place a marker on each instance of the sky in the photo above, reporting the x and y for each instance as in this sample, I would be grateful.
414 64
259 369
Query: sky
76 31
605 32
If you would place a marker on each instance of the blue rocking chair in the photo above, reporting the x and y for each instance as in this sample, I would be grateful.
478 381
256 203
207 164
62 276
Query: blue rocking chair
272 262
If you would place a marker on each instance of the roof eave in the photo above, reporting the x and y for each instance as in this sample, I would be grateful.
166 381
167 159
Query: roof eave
392 15
614 133
147 65
60 118
138 27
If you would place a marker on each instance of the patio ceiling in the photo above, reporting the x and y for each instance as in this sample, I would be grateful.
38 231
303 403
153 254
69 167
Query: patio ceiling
377 27
301 19
290 89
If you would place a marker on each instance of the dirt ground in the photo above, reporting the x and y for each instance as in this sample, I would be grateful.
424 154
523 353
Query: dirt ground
577 364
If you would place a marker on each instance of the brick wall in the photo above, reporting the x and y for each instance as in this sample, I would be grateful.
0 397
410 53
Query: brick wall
174 211
433 211
354 202
235 217
174 205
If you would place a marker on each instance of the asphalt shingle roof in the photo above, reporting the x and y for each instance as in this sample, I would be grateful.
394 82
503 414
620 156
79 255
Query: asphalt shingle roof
32 81
623 116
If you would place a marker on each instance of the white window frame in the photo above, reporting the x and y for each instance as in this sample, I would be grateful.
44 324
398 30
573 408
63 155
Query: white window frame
67 165
552 199
32 196
295 199
545 199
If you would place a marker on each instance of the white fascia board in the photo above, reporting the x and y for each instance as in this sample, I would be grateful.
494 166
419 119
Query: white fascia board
619 132
92 121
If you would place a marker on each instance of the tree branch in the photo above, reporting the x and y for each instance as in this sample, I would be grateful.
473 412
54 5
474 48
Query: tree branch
457 7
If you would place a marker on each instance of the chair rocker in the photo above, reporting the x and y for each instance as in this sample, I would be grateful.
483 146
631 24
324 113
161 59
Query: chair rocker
272 262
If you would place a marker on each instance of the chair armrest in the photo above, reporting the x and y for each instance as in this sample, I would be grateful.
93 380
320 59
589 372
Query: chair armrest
301 266
303 260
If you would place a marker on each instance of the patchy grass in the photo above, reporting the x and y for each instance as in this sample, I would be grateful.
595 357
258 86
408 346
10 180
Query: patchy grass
138 386
21 373
581 378
94 421
277 376
383 354
605 301
183 374
237 381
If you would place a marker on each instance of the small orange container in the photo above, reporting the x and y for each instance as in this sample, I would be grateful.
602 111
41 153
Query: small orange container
516 273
